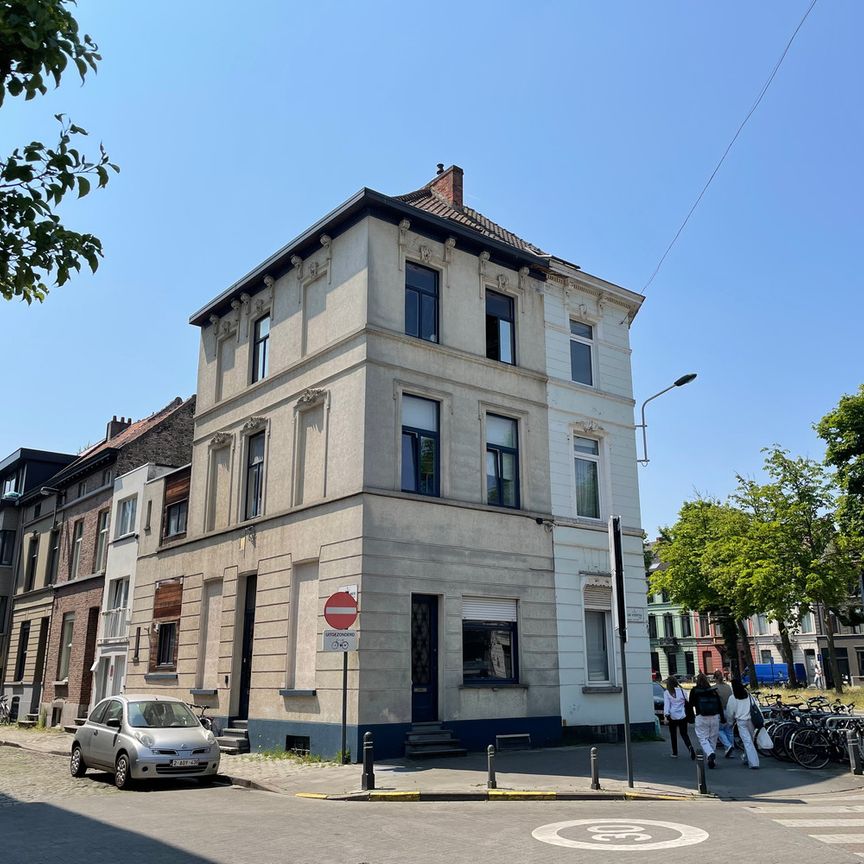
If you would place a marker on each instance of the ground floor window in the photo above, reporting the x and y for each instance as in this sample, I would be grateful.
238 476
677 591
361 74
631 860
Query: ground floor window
489 641
672 660
707 662
167 643
689 663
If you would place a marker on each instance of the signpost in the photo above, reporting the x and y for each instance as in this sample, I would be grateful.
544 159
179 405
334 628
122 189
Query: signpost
340 612
617 560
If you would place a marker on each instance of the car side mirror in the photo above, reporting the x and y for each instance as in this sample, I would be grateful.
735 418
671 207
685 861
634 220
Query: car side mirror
113 722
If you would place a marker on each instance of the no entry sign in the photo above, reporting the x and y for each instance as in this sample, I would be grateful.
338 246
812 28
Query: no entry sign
340 610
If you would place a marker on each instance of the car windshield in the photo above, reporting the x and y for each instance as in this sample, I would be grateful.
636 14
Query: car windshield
160 715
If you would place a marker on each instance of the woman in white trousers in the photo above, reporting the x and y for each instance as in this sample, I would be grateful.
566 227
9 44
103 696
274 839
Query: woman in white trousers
708 709
738 712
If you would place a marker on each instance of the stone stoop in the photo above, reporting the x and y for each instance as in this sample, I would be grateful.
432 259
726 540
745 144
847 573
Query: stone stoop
29 722
430 740
235 738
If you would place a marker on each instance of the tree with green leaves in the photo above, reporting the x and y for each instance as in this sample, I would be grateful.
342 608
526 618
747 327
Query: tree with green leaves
38 41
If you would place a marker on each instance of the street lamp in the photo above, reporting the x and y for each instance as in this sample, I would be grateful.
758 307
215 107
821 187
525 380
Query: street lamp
680 382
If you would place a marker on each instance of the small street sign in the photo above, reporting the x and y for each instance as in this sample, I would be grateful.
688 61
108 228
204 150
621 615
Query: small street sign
340 640
340 610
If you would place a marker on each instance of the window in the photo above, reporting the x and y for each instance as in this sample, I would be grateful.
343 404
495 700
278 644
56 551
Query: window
664 596
581 340
500 334
707 662
77 535
597 625
807 625
53 557
652 626
420 471
101 540
37 510
167 644
421 302
489 641
9 484
98 713
704 626
107 476
82 489
65 646
126 516
686 629
32 560
175 519
669 626
7 548
586 454
672 663
761 624
502 461
261 349
4 602
118 593
689 663
765 656
21 659
254 476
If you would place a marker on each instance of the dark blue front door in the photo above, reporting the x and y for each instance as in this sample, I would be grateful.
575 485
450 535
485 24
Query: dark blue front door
424 658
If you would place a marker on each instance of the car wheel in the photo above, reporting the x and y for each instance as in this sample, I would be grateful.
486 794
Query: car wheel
122 778
76 762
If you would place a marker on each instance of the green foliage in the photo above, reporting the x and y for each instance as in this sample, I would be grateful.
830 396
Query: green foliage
38 40
843 432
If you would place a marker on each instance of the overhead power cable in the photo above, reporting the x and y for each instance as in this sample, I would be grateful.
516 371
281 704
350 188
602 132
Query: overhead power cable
762 92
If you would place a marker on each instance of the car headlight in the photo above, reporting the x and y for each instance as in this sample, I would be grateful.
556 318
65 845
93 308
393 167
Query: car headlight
210 738
145 739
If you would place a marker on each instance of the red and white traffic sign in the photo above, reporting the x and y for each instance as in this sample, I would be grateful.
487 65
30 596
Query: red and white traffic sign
340 610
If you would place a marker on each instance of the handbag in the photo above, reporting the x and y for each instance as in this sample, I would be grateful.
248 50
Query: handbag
689 713
756 716
763 740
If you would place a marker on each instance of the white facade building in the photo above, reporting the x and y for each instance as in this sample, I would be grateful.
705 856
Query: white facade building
593 475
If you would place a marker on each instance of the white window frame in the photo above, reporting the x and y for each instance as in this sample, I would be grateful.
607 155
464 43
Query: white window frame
123 516
65 646
102 536
602 463
77 539
589 605
262 428
591 343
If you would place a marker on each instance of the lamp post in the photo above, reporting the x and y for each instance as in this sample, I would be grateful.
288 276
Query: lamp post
680 382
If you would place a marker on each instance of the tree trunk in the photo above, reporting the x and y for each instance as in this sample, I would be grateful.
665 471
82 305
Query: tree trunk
748 655
832 654
786 651
730 638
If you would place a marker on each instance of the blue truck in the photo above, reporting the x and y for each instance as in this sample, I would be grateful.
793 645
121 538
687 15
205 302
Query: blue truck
775 673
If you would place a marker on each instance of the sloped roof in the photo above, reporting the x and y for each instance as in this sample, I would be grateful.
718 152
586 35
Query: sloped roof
430 201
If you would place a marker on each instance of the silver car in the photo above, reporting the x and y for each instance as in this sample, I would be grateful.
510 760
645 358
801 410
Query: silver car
144 738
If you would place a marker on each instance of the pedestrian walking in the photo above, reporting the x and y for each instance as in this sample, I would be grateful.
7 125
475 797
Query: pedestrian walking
818 677
725 734
738 712
707 707
675 709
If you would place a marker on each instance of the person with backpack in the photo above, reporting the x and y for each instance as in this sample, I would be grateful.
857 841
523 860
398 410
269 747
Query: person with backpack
738 711
675 709
708 708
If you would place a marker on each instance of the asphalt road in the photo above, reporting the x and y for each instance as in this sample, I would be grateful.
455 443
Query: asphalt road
44 812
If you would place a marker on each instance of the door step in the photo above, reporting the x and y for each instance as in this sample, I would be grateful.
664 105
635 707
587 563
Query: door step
234 739
430 741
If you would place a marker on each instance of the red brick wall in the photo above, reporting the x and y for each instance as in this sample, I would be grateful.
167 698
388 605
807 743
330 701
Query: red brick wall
88 510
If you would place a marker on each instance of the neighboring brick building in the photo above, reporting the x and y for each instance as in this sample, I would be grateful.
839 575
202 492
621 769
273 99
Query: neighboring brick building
85 531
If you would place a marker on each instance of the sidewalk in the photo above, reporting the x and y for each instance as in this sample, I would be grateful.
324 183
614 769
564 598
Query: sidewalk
564 772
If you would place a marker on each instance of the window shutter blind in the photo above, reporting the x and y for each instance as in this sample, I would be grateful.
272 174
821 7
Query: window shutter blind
488 609
169 596
598 597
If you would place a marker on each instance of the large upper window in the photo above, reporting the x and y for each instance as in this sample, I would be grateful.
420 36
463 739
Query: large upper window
489 641
686 629
53 557
77 535
421 302
420 445
261 349
21 657
586 454
502 461
581 342
175 518
65 646
127 509
7 547
254 476
32 561
101 540
500 333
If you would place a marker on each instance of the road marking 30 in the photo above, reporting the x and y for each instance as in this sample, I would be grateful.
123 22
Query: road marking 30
605 831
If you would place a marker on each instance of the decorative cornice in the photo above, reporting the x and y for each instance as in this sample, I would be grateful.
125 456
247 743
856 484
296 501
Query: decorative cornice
220 439
589 427
254 423
311 396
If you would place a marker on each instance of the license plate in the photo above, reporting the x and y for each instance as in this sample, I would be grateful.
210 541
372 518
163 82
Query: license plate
184 763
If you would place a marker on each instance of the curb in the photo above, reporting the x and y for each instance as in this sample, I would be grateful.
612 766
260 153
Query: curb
34 749
501 795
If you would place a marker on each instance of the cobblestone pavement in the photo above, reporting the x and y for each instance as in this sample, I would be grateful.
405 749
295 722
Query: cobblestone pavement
27 776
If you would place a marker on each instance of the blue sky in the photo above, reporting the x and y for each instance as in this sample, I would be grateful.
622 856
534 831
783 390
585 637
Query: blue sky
587 128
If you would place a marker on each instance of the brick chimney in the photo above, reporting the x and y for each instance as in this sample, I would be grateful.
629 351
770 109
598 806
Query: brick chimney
448 184
115 426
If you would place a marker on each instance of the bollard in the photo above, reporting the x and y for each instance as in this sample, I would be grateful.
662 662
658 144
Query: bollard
595 770
368 782
854 752
701 784
491 783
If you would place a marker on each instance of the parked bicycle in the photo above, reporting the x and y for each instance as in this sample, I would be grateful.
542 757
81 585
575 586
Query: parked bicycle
203 719
4 710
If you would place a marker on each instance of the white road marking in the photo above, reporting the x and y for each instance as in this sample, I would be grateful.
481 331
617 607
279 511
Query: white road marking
821 823
802 808
839 838
604 832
